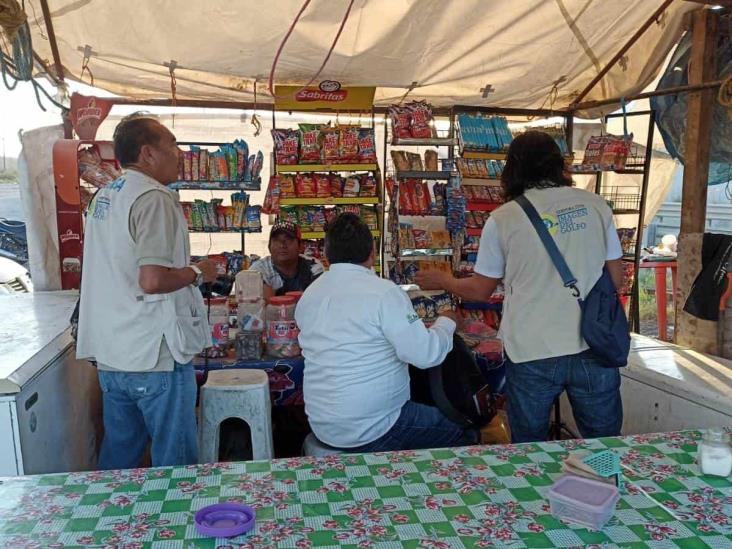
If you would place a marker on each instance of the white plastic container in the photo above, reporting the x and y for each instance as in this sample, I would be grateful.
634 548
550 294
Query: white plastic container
715 454
250 304
248 285
583 501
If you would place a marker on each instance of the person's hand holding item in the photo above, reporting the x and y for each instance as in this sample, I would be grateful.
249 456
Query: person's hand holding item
208 268
432 280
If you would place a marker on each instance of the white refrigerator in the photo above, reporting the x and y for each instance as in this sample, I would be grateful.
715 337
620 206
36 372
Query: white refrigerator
50 403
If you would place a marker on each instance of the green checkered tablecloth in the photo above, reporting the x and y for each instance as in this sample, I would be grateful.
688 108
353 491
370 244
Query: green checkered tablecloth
484 496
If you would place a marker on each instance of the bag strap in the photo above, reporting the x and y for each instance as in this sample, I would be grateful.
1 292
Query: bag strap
551 247
437 391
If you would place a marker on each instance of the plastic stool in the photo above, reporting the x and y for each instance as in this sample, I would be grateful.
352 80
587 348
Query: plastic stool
313 447
242 394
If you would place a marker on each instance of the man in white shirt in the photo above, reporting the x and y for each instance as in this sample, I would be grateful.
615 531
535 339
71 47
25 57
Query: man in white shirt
141 314
545 351
358 333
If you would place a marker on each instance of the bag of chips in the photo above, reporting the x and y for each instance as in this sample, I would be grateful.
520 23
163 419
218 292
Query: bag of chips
368 216
242 156
430 161
401 162
366 146
368 186
407 200
271 203
256 167
254 219
322 186
287 186
406 238
187 166
336 186
440 190
317 221
288 214
203 165
187 208
351 187
415 162
421 238
329 152
390 185
440 239
305 186
422 196
305 218
286 144
309 144
400 121
421 119
348 145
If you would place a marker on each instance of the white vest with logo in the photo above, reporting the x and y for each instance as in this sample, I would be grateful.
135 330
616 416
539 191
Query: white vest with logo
541 318
119 325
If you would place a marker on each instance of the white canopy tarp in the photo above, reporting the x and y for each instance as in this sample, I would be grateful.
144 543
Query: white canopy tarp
532 53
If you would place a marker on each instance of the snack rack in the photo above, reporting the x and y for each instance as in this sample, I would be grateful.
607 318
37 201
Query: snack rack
480 169
432 246
72 196
219 186
370 202
629 199
76 182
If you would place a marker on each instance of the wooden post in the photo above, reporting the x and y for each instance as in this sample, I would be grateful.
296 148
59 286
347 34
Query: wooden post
702 68
690 331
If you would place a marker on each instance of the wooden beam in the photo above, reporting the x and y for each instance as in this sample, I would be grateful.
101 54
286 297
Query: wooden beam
52 39
618 56
690 331
702 68
645 95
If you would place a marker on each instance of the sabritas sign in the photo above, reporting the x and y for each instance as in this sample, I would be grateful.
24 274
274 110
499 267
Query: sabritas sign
328 95
309 94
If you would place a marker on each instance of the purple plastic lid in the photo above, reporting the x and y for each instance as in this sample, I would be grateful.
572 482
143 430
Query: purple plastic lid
587 492
225 520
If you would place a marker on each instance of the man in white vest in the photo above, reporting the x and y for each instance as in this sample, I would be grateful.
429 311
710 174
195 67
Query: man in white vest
142 316
545 352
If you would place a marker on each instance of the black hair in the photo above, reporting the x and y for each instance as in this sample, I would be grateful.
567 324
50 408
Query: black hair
348 240
131 134
534 161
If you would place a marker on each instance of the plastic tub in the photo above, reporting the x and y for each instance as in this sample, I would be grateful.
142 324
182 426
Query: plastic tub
584 501
282 330
296 295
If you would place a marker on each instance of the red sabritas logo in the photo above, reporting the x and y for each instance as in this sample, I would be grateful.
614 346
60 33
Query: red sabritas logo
312 94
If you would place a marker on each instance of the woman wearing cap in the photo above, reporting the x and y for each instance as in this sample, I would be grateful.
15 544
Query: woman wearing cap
285 270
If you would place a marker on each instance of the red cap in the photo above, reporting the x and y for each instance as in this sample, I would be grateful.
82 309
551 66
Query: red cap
285 227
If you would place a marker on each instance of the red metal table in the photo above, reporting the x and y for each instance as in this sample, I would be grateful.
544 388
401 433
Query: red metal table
661 297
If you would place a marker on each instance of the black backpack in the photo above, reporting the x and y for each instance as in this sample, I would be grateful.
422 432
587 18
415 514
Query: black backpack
456 387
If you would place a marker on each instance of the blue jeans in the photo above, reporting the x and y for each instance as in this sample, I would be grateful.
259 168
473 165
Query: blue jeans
140 406
593 391
419 426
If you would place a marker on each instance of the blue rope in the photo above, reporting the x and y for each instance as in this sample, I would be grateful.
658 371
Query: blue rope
23 53
20 67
